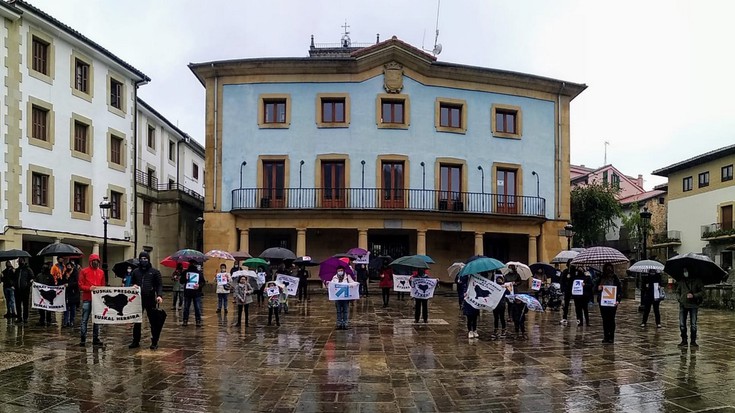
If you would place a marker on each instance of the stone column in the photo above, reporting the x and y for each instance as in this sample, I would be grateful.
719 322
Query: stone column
479 243
362 239
245 240
421 242
300 242
532 251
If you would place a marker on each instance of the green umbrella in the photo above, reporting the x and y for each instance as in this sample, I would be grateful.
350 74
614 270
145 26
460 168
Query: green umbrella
411 261
481 265
255 262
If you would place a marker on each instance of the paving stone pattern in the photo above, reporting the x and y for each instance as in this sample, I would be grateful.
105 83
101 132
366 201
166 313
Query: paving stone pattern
384 363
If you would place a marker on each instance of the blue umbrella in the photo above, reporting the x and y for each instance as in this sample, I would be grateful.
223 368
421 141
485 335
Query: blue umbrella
426 258
413 261
481 265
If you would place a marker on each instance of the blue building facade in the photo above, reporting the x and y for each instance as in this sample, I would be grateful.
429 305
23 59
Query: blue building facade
387 149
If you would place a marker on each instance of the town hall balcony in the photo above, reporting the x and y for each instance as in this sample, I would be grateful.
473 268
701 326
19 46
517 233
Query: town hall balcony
382 199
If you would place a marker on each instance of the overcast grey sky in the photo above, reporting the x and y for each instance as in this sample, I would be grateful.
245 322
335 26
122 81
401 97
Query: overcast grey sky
660 73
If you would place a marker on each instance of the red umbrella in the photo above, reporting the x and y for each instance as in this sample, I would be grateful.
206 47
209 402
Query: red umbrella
169 262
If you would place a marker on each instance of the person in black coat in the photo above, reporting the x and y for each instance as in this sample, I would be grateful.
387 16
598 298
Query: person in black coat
608 278
192 292
581 307
45 317
8 280
70 278
151 290
23 281
648 298
566 288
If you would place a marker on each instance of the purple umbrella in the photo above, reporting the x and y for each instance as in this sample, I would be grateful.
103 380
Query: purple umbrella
357 251
328 268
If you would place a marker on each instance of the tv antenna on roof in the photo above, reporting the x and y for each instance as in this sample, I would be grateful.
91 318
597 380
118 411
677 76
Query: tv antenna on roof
437 46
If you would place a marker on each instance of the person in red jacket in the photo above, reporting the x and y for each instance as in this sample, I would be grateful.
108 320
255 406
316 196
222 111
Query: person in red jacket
89 277
386 283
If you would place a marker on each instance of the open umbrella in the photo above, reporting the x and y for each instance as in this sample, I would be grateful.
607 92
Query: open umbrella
186 255
599 256
278 253
474 257
522 269
357 251
121 268
377 263
548 269
59 249
412 261
240 255
223 255
698 266
454 269
644 266
532 303
328 268
13 254
305 261
479 265
170 263
426 258
344 255
564 257
255 262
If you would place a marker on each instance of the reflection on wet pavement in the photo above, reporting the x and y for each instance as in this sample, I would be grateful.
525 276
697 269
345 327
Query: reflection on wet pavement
384 363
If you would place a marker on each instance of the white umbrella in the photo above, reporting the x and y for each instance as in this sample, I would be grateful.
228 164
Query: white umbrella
564 256
599 256
522 269
454 269
645 265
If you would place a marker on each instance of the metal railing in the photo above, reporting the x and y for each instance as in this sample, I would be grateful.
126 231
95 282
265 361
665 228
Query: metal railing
151 182
718 229
666 237
378 198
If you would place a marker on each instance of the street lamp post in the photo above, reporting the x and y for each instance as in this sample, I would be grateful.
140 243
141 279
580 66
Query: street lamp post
200 235
645 221
569 233
105 207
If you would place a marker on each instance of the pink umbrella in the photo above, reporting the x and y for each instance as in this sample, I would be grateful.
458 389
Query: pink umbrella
328 268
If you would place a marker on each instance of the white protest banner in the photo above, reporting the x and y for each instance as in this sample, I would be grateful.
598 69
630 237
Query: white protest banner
362 259
116 305
535 284
48 297
609 296
221 278
271 291
401 284
423 288
291 283
192 280
482 293
261 279
578 287
343 291
656 292
509 287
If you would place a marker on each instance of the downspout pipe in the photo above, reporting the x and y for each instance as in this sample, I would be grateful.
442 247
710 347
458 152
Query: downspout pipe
135 163
559 160
216 143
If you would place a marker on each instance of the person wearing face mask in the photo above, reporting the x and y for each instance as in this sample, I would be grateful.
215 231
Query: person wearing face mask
192 292
608 278
151 292
343 309
90 277
691 294
23 281
71 279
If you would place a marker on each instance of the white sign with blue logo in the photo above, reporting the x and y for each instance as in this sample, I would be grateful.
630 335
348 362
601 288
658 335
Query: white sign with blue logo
343 291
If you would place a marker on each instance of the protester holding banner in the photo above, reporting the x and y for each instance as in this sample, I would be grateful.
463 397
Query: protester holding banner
45 317
343 309
261 276
23 281
9 290
224 279
421 306
151 294
471 313
70 278
386 283
652 295
609 290
90 277
499 311
303 290
243 298
193 281
566 288
518 309
581 300
273 293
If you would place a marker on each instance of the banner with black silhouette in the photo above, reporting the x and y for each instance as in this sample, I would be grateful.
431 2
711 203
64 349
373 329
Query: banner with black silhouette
423 288
290 284
48 297
401 284
116 305
483 293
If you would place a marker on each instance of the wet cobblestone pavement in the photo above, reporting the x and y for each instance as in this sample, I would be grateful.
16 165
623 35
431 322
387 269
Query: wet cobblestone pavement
384 363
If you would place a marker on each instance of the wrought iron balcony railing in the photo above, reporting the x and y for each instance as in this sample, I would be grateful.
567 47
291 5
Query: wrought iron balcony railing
725 229
671 236
150 181
381 199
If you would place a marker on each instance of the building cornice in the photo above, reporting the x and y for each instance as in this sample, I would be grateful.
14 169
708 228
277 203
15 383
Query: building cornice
695 161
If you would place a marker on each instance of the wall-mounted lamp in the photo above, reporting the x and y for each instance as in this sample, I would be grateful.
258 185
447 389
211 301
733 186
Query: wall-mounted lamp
301 164
363 173
423 173
242 165
482 171
537 183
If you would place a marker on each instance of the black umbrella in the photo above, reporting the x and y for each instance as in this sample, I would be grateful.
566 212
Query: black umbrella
278 253
698 266
305 262
121 268
377 263
548 269
13 254
59 249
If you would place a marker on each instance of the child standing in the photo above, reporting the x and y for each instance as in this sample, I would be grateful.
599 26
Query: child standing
471 313
223 287
243 298
499 312
273 301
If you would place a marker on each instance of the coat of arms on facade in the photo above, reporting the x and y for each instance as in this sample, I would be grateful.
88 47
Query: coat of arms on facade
393 77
